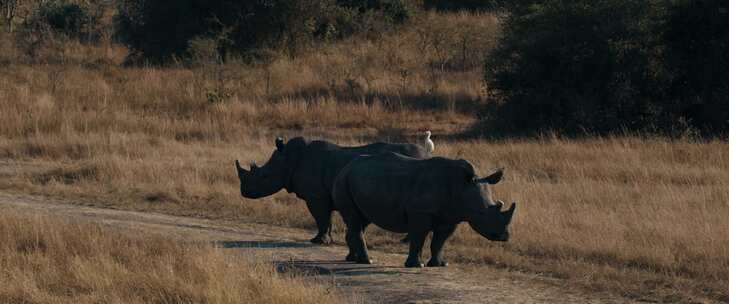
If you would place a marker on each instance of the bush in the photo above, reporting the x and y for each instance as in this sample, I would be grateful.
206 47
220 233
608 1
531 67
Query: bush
575 66
696 40
396 11
460 5
69 19
612 66
161 29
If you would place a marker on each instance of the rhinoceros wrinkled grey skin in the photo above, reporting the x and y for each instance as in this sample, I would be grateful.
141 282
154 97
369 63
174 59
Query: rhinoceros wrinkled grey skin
403 194
308 169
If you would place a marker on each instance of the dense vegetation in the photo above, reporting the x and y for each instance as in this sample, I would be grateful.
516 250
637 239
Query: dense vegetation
611 66
457 5
572 67
695 41
161 29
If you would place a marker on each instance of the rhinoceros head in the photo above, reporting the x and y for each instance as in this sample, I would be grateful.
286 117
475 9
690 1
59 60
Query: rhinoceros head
269 179
485 216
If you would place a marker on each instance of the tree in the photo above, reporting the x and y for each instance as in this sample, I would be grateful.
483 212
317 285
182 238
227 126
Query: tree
458 5
9 10
696 40
158 30
576 66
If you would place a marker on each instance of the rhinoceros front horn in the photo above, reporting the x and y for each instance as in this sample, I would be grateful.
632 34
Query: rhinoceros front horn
240 169
509 213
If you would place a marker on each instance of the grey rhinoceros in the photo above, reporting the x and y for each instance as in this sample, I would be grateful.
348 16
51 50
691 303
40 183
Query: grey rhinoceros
403 194
308 169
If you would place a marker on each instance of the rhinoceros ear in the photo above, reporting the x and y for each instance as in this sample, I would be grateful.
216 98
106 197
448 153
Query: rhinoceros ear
493 178
280 144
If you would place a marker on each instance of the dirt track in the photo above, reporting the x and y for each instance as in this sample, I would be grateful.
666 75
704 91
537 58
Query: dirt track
384 282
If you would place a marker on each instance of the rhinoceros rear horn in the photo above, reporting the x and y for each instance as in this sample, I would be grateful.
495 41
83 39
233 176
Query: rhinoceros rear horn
493 178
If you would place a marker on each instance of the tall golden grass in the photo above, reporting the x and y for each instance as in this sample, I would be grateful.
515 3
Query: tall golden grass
45 260
644 217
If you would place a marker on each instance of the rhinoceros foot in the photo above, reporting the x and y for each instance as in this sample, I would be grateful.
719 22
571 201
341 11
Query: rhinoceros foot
351 257
354 258
437 263
321 240
413 264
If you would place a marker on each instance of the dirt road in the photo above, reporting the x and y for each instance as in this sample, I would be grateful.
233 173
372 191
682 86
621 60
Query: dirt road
384 282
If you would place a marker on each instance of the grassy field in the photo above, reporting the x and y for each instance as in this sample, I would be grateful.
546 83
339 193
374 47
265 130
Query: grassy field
643 217
45 260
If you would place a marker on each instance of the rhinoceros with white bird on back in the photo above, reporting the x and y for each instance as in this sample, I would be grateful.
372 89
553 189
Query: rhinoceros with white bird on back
308 169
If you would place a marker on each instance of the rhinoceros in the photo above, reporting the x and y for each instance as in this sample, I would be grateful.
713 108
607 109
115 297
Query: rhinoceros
404 194
308 169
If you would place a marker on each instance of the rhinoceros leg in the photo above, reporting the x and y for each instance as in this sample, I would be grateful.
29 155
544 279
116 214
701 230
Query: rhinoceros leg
418 225
356 225
357 249
440 235
356 242
322 212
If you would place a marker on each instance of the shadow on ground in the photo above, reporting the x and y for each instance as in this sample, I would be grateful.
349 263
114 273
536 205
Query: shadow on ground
261 244
311 267
334 267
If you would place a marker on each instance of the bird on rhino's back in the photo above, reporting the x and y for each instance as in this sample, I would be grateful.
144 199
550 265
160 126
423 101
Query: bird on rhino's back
428 143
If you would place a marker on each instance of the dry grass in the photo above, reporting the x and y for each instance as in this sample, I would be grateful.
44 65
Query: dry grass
49 261
640 216
644 217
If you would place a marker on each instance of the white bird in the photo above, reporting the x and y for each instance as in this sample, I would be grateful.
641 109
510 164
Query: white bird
429 143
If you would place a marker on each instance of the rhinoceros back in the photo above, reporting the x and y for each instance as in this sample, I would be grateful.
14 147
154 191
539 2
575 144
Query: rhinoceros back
322 161
406 149
387 187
